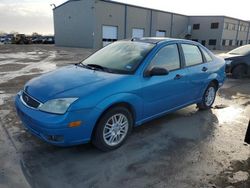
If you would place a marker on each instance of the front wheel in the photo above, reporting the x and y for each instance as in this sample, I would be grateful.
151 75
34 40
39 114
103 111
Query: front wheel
208 97
113 128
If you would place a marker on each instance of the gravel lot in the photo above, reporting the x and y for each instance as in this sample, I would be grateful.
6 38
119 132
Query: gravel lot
188 148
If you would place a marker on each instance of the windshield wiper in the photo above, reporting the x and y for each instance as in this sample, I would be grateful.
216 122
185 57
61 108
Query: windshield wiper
99 67
82 65
95 67
86 66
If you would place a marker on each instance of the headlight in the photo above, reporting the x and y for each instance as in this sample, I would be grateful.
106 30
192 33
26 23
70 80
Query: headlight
228 62
57 106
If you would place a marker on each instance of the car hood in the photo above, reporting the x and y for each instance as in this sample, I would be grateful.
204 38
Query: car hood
62 80
229 56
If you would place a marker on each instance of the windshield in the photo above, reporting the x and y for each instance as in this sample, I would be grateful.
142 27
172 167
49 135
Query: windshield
244 50
119 57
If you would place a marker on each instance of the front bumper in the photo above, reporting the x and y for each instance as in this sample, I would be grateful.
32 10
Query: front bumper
53 128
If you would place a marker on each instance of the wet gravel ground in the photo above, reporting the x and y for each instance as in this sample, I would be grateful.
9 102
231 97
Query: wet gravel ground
187 148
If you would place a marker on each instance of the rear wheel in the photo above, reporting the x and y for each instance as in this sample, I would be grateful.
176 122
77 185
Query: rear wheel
239 71
208 97
113 129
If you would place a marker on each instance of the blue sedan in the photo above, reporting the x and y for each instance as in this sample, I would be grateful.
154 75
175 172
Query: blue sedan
123 85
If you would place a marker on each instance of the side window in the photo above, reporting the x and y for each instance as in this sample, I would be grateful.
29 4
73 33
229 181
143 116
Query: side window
192 54
206 54
167 57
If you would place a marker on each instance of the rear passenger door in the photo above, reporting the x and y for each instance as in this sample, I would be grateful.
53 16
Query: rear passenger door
198 69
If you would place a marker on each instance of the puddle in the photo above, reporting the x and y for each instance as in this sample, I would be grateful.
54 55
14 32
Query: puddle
4 96
35 53
228 114
45 65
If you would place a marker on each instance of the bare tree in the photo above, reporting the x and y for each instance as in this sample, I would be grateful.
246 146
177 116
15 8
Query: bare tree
35 34
14 32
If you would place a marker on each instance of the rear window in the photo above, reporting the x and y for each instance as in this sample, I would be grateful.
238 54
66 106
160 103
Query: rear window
192 54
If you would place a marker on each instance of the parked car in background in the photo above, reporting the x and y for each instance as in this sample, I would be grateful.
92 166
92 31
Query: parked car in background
5 40
238 61
48 40
20 39
2 40
120 86
37 40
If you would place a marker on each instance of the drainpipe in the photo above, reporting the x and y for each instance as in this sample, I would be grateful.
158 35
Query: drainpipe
248 30
221 38
237 34
171 26
151 20
125 22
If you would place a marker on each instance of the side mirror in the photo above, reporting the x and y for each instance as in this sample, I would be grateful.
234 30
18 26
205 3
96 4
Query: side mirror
156 71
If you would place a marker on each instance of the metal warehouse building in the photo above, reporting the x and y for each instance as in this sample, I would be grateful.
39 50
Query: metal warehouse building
96 23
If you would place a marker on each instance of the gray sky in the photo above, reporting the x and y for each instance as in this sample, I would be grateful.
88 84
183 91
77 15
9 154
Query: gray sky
27 16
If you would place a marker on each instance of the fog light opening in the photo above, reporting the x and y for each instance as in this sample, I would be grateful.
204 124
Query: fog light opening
55 138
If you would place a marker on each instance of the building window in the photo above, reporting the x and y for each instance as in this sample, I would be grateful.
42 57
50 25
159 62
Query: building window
215 25
226 26
196 26
160 33
230 42
212 42
249 42
203 42
229 26
223 42
242 28
232 27
241 42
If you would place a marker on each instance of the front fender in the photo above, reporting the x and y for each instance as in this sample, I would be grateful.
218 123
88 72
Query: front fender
131 99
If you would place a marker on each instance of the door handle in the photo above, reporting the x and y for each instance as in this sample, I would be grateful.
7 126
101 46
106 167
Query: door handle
177 77
204 69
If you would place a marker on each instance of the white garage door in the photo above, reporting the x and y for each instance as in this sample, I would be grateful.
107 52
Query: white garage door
160 33
137 33
109 34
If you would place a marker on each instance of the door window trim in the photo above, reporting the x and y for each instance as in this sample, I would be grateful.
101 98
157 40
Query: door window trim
204 57
184 60
179 53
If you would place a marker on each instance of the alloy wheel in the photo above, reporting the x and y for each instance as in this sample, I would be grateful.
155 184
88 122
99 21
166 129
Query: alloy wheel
115 129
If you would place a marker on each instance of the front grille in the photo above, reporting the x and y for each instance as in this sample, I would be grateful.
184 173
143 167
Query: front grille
29 101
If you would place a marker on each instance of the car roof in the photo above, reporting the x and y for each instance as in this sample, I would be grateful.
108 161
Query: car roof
156 40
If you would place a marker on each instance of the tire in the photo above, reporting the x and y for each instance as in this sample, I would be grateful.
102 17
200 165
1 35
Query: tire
238 71
208 97
109 134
